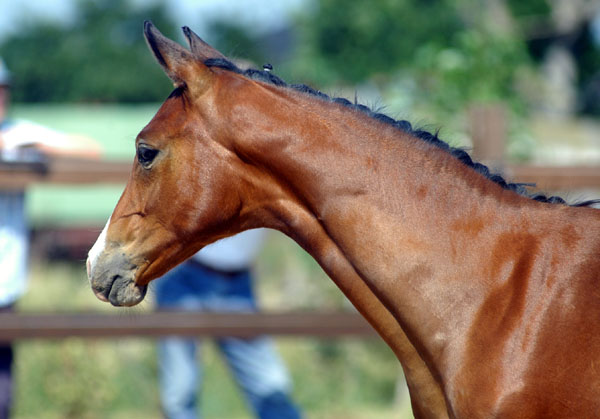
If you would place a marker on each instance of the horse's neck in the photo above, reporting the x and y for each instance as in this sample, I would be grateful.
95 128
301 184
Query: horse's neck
414 223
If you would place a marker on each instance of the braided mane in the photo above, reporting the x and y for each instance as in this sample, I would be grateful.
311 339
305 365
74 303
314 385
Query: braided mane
403 125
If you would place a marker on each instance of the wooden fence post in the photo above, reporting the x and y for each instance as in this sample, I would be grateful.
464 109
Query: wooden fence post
488 128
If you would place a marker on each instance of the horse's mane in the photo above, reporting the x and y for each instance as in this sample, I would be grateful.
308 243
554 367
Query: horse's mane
403 125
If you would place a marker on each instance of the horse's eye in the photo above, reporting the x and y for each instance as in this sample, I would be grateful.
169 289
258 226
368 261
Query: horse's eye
146 155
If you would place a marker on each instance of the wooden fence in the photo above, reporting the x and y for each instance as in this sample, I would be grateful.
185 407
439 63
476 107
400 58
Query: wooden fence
18 326
80 171
489 131
63 170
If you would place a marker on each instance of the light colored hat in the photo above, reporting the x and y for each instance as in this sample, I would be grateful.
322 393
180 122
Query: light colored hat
5 76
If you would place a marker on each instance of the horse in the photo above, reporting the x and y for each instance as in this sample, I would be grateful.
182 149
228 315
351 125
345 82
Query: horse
488 295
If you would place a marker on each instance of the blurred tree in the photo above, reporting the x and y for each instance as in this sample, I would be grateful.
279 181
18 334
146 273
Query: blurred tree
102 57
346 41
586 49
477 67
534 8
454 51
350 40
236 41
567 24
449 52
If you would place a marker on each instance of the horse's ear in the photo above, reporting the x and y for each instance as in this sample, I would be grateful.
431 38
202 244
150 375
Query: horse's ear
200 49
178 63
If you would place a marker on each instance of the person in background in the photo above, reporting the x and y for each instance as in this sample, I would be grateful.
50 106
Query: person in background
219 279
16 137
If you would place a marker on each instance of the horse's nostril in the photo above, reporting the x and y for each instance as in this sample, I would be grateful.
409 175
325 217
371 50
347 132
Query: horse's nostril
103 292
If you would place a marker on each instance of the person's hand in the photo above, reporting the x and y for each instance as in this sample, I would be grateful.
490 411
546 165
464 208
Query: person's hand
73 146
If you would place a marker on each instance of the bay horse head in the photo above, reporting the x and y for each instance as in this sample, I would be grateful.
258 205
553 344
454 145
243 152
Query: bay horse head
187 187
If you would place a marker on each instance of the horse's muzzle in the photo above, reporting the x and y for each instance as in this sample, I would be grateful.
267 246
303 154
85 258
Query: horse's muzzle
112 278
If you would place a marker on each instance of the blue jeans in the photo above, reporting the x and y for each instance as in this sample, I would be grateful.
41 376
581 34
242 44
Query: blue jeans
6 385
255 364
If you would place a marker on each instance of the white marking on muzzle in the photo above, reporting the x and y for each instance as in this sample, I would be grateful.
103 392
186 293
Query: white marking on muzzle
96 250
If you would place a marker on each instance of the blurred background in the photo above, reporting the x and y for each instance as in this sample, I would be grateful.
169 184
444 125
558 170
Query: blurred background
82 67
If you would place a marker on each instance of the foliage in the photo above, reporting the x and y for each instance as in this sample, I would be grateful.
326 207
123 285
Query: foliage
451 51
102 57
588 53
442 55
349 40
444 47
579 41
236 41
529 7
478 67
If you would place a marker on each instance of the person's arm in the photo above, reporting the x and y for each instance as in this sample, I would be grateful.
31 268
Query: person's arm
48 141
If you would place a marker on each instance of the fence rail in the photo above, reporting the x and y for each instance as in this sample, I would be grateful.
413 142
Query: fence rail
63 170
556 177
81 171
19 326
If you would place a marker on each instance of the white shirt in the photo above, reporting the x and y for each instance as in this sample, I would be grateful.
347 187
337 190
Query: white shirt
25 133
233 253
13 246
14 240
